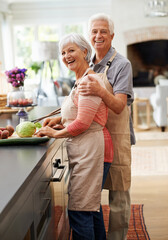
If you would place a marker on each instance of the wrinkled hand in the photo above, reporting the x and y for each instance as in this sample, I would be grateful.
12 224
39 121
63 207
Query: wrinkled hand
51 121
46 131
58 127
92 87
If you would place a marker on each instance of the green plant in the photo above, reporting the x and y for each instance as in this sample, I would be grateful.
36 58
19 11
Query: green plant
36 67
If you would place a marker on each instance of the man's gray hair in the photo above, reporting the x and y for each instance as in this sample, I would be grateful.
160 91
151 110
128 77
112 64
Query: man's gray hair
101 16
79 40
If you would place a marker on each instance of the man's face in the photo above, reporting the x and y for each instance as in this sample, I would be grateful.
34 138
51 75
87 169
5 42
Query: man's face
100 36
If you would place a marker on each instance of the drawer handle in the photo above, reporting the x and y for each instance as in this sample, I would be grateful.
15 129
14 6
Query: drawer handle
57 163
58 174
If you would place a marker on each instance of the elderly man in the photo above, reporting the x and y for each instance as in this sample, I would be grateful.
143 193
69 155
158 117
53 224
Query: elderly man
118 95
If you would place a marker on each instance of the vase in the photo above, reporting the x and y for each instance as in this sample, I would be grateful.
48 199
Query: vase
18 93
18 97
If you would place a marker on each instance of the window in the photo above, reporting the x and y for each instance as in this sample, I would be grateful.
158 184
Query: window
24 36
48 33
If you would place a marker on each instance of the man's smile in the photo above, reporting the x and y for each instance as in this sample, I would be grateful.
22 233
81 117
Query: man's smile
99 41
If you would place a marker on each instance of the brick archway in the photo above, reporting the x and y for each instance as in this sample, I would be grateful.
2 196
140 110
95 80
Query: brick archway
146 34
147 52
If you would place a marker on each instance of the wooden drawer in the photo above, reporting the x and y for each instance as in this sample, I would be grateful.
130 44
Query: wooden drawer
42 195
22 222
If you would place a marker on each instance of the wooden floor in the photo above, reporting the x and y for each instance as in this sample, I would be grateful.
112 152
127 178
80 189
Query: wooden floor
151 190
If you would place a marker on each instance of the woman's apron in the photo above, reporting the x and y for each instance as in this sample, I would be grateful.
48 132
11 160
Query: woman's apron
86 159
119 176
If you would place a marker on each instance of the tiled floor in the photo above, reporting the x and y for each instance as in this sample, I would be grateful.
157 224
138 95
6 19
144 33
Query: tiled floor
149 160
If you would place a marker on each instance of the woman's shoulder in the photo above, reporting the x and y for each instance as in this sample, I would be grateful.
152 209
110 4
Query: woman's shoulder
98 77
94 75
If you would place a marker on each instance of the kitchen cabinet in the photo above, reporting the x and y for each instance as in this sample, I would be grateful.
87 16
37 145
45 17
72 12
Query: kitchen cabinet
33 202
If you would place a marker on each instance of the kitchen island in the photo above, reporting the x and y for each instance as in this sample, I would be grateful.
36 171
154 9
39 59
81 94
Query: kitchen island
28 195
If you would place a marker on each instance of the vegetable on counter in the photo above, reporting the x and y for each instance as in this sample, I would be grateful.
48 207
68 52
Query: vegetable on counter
38 125
6 132
25 129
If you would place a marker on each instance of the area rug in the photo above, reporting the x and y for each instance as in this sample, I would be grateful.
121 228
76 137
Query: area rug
137 228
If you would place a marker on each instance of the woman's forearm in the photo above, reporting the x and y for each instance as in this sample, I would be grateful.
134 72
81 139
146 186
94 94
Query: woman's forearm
62 133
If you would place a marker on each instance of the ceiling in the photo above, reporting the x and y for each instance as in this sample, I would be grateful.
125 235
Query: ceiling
22 1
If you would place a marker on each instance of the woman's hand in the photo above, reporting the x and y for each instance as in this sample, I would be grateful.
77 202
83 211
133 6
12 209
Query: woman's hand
46 131
58 127
90 87
52 133
51 122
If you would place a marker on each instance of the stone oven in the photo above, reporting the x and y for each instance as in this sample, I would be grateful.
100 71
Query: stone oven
147 49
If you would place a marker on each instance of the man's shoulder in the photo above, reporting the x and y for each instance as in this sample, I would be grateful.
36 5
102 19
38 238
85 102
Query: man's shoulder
120 58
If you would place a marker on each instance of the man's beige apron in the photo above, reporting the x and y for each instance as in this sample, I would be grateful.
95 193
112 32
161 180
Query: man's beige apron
119 176
86 161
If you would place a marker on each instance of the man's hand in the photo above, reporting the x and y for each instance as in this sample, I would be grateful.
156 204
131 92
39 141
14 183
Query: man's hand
92 87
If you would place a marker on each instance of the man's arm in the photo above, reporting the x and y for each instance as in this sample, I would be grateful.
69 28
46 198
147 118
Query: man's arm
115 102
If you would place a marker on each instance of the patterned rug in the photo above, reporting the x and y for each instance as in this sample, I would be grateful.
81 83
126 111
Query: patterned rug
137 229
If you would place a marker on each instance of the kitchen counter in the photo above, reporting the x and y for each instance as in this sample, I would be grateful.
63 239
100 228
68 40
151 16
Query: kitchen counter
17 164
21 168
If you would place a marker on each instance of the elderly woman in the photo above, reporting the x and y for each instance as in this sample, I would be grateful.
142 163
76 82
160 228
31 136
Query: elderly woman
89 144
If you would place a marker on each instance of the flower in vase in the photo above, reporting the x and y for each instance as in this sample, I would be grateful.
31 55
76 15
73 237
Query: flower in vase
16 76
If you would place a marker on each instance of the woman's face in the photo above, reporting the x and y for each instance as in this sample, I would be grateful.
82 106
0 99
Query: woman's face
73 57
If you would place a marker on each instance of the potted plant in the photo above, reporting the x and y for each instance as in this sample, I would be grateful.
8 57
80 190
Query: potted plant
35 66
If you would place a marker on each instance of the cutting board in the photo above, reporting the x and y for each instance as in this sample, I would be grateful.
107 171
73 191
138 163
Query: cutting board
15 140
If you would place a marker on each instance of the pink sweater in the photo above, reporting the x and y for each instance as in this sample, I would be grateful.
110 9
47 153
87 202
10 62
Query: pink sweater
91 108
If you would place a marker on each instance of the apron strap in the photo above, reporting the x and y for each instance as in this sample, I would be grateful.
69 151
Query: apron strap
86 72
109 62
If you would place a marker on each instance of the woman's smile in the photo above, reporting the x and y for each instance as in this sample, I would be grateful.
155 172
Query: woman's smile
72 61
74 58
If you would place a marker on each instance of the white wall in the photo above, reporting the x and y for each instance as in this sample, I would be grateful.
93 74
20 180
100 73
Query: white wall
52 11
130 15
3 11
126 14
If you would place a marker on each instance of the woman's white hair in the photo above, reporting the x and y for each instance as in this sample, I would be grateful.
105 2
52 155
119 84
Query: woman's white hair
79 40
101 16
